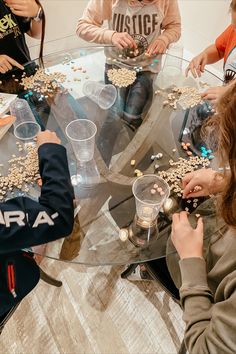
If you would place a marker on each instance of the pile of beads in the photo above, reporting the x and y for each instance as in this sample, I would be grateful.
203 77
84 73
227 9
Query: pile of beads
121 77
179 169
189 96
185 96
23 171
43 82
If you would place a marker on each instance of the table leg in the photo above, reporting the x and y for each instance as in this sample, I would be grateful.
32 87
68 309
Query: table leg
129 270
71 244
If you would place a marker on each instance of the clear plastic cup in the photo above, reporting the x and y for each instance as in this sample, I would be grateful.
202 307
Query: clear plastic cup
171 73
104 95
148 203
25 126
81 133
173 62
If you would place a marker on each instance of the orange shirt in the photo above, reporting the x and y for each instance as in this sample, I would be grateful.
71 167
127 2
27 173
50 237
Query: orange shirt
226 43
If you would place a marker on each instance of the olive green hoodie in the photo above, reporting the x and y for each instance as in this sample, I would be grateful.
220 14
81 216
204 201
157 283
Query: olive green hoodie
208 287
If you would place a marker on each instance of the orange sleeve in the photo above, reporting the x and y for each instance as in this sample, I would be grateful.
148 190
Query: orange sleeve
222 40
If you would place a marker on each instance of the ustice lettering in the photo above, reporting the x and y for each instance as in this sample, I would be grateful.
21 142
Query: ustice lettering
143 24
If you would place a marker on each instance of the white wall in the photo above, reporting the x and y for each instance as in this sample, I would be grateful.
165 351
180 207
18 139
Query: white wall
202 21
61 17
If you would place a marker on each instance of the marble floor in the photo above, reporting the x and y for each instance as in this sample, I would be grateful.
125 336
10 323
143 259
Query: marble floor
94 312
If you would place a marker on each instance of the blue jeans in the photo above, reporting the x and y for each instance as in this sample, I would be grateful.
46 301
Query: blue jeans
131 103
134 99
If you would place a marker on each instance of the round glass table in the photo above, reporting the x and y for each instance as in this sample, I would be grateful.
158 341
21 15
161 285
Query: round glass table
105 206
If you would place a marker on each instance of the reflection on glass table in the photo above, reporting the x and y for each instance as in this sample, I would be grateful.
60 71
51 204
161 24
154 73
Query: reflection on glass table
150 192
105 199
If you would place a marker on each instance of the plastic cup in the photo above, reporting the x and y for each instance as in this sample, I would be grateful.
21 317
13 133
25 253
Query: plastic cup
25 126
173 62
148 203
104 95
81 133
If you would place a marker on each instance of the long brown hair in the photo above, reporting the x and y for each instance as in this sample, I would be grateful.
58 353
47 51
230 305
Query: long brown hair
233 5
42 35
223 127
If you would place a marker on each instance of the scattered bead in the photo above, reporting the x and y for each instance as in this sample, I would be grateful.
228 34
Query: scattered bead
159 156
197 188
132 162
123 235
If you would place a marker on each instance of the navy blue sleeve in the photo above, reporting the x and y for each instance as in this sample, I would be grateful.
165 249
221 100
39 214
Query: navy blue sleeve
24 222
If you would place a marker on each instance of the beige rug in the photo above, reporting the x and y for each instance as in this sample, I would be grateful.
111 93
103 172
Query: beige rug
94 312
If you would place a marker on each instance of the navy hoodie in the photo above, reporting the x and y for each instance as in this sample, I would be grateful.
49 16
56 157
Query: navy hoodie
25 223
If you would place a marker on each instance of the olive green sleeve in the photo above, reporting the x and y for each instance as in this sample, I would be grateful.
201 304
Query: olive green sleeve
210 326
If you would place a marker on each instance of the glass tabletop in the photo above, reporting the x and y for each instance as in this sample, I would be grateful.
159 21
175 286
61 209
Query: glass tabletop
157 117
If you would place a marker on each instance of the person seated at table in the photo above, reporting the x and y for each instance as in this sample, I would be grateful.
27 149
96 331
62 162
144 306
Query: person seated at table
207 278
25 223
18 17
223 48
137 31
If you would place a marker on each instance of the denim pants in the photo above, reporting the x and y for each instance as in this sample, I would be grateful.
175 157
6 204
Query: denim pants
131 104
132 100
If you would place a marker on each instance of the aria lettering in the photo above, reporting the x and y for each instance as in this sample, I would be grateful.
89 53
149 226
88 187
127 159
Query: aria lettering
9 217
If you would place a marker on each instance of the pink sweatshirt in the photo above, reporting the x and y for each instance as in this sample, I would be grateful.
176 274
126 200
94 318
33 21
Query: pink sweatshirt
148 19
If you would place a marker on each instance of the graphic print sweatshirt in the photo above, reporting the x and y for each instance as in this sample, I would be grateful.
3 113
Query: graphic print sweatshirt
145 20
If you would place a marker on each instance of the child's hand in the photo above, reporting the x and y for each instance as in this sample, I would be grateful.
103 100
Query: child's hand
187 241
123 40
157 47
47 137
26 8
214 93
197 65
7 63
202 183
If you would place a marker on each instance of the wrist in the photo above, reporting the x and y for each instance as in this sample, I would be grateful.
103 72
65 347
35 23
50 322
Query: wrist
193 255
160 38
217 183
112 37
39 14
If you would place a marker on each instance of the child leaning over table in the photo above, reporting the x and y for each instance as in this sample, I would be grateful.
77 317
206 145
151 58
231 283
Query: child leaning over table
25 223
223 48
138 30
